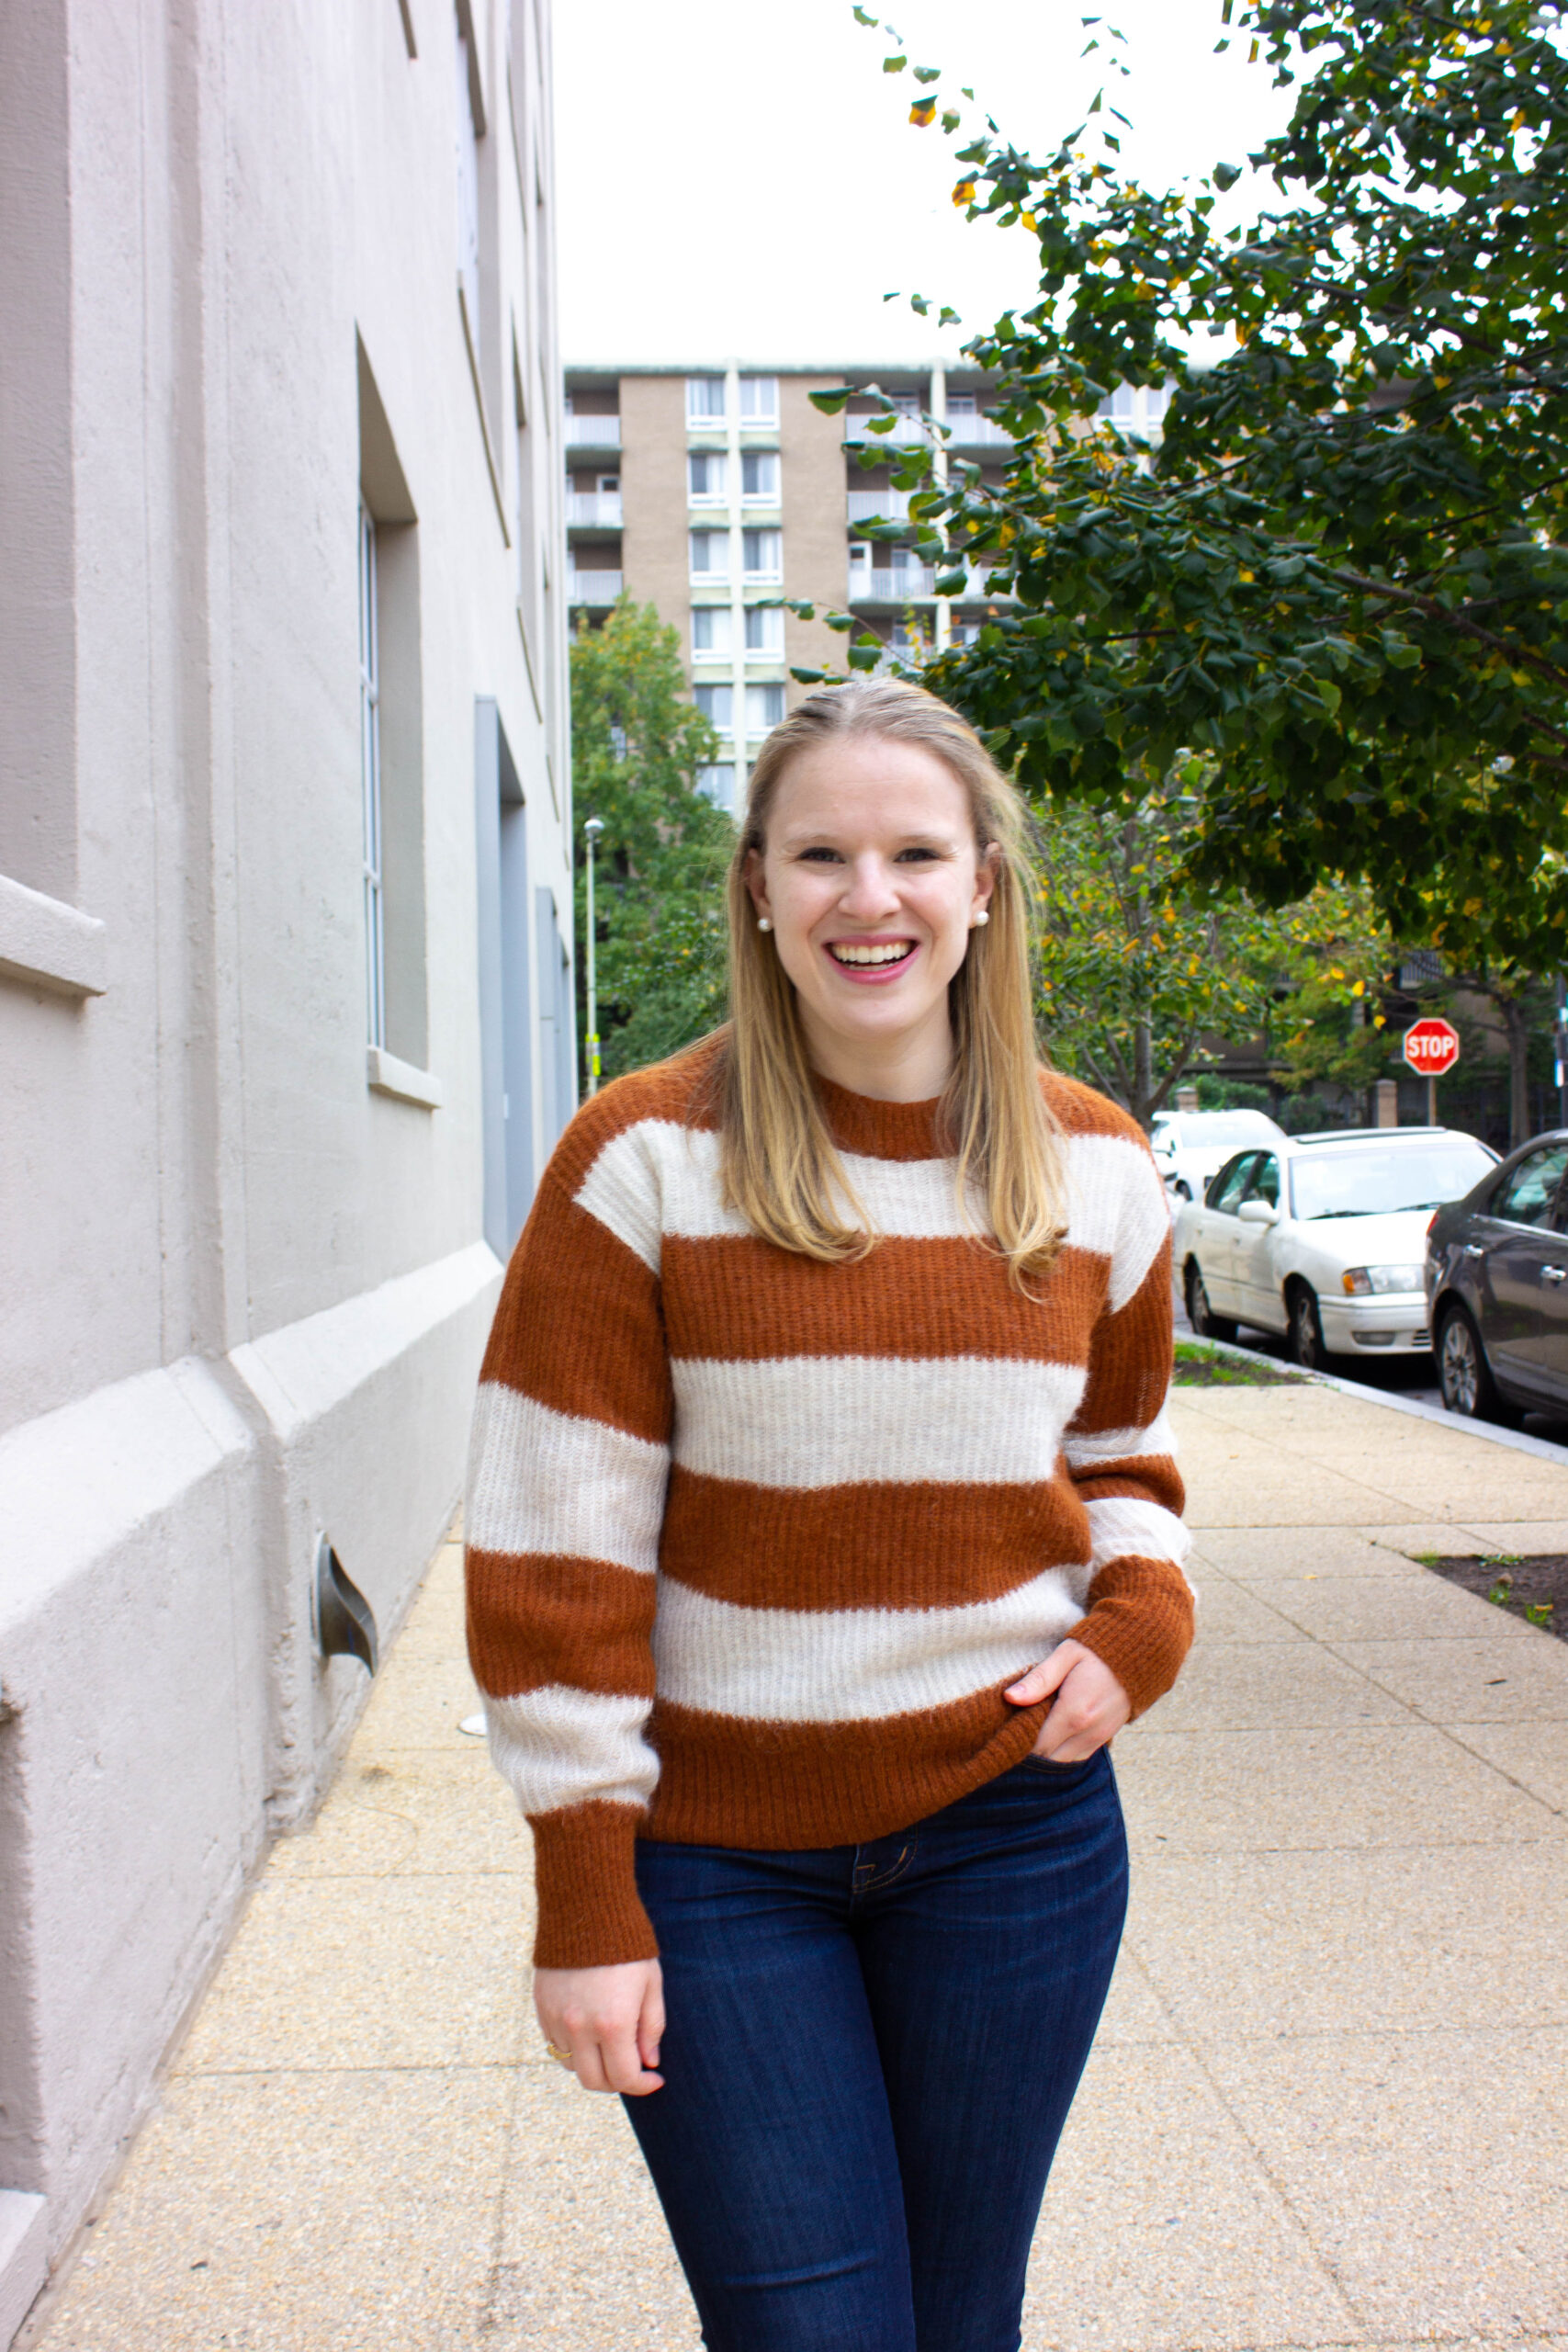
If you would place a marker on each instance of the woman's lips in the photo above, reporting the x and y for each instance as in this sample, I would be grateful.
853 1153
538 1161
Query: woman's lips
872 975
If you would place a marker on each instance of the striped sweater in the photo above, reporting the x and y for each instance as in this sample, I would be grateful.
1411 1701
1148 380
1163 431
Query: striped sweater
755 1544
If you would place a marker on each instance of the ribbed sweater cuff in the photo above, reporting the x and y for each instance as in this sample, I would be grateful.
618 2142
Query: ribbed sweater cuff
585 1873
1140 1625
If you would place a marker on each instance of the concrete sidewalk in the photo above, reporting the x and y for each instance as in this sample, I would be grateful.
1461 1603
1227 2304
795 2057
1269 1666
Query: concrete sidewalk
1328 2105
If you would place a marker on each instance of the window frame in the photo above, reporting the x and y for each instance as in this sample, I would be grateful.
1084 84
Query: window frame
706 578
759 420
706 420
763 573
711 458
370 784
723 728
750 458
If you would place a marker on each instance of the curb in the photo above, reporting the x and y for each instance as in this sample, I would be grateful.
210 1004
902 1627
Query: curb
1518 1440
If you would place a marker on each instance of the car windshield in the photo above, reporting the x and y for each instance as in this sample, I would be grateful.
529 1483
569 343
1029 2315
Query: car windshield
1376 1181
1225 1128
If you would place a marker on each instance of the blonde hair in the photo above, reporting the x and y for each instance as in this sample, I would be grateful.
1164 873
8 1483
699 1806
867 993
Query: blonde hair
781 1169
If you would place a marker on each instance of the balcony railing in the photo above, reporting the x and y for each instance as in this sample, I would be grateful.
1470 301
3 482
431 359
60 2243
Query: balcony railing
906 429
977 432
901 583
593 509
895 586
593 432
593 587
879 506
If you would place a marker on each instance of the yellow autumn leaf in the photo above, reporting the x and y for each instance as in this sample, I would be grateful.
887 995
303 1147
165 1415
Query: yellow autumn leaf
964 192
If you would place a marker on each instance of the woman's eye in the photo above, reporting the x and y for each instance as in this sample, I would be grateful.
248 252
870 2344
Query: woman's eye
916 856
820 857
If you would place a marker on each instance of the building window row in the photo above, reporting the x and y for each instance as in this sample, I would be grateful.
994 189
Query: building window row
713 635
707 476
761 556
707 401
764 707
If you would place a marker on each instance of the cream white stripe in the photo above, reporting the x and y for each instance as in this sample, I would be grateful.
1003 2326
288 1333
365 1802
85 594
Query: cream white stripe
660 1177
853 1666
1123 1528
1084 1450
1116 1206
843 1421
559 1746
541 1481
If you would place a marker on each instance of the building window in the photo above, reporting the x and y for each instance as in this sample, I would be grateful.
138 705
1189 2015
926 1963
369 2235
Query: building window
759 400
468 189
961 404
859 555
705 478
1137 408
717 706
764 708
370 784
704 400
710 554
761 554
392 746
760 477
966 629
717 781
710 633
765 630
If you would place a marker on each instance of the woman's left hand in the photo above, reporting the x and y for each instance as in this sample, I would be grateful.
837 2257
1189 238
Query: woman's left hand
1090 1706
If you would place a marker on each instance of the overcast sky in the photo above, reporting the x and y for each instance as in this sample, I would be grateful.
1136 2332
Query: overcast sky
740 178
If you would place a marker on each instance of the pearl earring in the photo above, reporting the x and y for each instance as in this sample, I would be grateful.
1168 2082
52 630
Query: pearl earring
763 923
980 916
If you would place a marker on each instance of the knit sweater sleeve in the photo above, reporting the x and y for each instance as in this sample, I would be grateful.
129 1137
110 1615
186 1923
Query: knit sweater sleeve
568 1468
1121 1451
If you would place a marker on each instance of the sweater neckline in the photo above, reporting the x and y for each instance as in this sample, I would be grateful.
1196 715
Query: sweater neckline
878 1130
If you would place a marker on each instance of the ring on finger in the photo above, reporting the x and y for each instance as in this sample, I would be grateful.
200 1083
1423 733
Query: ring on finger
562 2057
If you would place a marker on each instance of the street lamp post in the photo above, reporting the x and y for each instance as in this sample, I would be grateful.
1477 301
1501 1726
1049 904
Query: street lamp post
593 827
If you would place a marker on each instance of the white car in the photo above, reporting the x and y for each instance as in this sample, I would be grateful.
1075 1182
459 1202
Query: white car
1324 1237
1192 1147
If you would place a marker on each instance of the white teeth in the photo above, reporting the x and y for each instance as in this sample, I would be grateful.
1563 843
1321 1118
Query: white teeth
843 952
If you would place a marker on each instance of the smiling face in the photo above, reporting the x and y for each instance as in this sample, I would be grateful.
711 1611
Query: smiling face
871 880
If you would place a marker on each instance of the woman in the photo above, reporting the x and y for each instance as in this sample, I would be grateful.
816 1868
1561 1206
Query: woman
821 1535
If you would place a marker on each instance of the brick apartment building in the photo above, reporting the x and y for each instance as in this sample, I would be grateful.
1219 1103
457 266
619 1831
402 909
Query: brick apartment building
710 495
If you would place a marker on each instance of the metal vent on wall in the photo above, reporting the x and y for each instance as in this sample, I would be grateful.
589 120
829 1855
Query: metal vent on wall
345 1622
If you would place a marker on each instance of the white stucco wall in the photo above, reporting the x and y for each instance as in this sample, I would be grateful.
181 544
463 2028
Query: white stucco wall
242 1292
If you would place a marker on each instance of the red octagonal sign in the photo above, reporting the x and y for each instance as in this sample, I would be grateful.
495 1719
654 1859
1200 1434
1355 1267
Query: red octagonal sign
1432 1047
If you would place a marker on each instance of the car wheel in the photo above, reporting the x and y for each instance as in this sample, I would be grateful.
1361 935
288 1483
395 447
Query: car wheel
1306 1331
1464 1373
1199 1314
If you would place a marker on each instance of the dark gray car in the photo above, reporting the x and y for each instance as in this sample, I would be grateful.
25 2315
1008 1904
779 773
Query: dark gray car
1497 1287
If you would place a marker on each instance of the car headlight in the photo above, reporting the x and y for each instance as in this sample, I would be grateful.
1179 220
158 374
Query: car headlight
1368 1281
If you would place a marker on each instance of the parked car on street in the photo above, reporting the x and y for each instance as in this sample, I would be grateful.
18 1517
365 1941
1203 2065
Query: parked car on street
1324 1238
1191 1146
1497 1287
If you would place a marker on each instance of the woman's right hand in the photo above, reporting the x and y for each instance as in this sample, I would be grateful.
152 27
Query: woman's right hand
610 2019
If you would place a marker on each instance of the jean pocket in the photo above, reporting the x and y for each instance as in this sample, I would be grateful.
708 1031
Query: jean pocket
1048 1766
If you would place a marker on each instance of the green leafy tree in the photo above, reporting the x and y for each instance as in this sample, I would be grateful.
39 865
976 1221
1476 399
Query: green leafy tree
637 746
1139 973
1343 570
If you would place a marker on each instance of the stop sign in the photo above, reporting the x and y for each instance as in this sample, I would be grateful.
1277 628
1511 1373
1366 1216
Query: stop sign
1432 1047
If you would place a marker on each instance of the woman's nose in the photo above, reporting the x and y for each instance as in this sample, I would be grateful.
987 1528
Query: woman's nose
870 891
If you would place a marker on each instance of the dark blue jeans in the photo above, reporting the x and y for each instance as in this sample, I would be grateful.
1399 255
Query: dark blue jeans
870 2055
